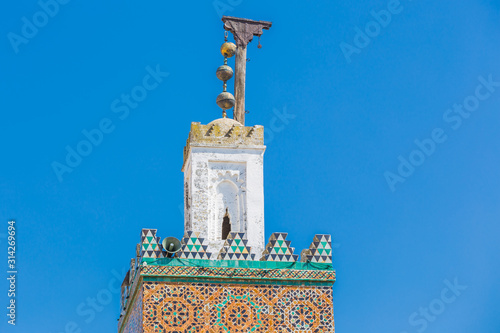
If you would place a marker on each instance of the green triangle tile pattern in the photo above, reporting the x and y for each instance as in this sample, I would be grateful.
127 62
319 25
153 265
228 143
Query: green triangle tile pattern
235 248
319 251
150 244
193 247
278 249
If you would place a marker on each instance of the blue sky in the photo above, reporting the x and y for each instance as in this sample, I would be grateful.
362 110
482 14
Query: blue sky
331 166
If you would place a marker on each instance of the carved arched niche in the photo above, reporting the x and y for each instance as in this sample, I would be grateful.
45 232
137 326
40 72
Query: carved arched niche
227 200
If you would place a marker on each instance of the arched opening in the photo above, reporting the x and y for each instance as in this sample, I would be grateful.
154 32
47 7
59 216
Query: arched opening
227 216
226 225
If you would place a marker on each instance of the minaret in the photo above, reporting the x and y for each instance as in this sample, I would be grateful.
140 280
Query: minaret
221 276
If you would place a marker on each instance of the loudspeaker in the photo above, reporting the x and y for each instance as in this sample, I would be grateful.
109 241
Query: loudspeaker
171 245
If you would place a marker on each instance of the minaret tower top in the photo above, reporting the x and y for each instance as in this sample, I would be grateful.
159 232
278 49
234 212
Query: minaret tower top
223 161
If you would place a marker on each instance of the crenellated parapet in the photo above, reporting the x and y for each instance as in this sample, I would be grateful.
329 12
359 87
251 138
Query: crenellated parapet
319 251
150 246
278 249
193 247
223 132
235 248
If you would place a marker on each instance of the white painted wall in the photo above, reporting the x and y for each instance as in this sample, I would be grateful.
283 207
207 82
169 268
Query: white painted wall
217 177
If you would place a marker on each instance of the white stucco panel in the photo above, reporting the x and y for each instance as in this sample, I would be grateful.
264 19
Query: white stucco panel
220 178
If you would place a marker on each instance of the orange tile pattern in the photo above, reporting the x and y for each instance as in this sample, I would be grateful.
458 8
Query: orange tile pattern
236 308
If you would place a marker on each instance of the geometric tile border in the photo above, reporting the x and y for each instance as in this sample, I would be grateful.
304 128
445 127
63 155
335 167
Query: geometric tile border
278 249
319 251
235 248
193 247
241 273
150 246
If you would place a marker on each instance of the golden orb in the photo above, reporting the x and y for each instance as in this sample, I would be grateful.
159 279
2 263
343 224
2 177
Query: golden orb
224 73
228 49
225 100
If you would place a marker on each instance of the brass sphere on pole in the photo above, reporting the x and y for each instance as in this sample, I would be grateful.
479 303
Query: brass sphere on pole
224 73
225 100
228 49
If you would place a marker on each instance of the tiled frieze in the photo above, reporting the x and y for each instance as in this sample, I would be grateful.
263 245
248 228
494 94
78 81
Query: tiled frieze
204 307
237 272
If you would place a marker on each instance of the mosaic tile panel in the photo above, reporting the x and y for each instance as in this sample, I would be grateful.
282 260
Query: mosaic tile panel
134 322
278 249
203 307
150 246
231 272
193 247
235 248
320 250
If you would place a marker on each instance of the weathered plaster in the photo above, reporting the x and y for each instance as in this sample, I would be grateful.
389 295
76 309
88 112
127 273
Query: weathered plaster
223 168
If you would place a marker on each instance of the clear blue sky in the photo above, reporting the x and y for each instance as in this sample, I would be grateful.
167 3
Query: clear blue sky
333 168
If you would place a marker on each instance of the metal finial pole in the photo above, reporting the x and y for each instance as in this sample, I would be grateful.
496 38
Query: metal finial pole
243 31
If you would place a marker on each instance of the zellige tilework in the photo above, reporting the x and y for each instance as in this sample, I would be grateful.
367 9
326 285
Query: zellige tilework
202 307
